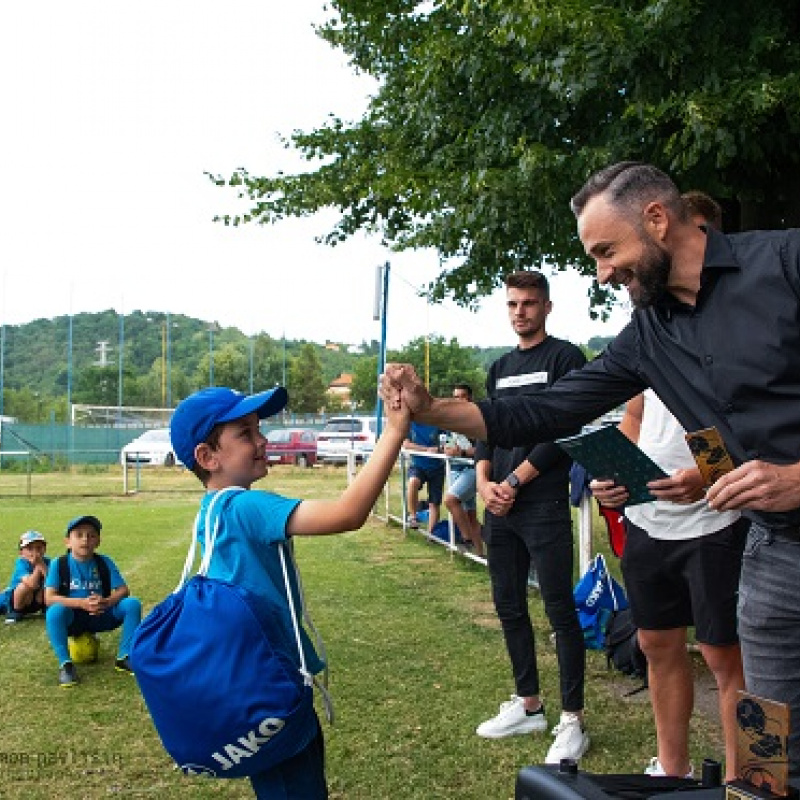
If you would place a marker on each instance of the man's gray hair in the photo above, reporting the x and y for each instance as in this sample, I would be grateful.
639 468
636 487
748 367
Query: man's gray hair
630 185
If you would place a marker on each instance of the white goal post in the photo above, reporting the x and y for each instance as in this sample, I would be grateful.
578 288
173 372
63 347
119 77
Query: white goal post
120 416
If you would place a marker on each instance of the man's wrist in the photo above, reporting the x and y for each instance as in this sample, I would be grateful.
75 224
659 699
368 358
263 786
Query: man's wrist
513 481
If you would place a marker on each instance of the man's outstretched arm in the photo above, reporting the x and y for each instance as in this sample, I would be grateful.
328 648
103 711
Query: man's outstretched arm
401 384
527 419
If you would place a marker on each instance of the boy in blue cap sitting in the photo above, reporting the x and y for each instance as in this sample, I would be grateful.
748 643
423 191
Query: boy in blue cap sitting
215 433
85 592
26 590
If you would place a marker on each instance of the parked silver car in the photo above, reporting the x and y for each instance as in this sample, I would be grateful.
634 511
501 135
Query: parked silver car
342 435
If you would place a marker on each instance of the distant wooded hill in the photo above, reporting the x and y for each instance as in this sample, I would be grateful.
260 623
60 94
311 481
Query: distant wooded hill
163 357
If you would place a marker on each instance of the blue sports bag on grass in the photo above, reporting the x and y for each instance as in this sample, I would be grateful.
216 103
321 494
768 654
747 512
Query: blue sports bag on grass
597 596
220 680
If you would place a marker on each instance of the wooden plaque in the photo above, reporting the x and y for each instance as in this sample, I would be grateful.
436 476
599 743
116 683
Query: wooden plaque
762 760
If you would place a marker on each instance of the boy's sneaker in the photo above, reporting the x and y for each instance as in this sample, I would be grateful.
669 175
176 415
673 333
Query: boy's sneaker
513 719
123 665
655 769
571 742
13 617
412 522
67 677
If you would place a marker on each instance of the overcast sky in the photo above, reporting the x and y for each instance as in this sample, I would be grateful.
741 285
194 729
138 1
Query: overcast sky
113 111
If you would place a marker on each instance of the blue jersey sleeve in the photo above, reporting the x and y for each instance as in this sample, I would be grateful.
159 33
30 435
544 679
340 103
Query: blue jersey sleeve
22 568
51 581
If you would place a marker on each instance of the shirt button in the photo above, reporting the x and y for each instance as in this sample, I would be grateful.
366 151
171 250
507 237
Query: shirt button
708 359
728 409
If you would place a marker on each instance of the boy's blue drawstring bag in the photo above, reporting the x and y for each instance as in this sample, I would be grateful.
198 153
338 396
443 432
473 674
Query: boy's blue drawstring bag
225 696
597 596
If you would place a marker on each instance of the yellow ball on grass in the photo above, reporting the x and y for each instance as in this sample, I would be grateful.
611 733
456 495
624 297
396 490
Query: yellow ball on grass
84 648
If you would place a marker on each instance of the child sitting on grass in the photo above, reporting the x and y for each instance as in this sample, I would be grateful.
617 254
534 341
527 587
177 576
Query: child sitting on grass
88 595
215 433
26 589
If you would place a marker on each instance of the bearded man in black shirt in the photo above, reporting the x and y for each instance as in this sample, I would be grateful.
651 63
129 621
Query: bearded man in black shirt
716 333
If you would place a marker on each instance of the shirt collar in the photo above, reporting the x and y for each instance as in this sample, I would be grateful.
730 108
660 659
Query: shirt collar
718 256
719 253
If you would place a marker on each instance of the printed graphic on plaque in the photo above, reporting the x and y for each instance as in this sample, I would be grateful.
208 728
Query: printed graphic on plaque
709 453
761 748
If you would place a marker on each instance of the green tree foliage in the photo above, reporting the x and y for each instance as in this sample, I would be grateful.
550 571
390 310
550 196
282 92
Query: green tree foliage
596 345
97 385
443 364
231 367
489 114
29 406
306 384
447 363
267 363
364 389
35 374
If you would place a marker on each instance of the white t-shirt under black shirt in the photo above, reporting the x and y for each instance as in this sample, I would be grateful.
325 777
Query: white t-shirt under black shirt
662 438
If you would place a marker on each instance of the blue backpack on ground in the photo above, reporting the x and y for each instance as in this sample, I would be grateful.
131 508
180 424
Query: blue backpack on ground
441 530
225 695
597 597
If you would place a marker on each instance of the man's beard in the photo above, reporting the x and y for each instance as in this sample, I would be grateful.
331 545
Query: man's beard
652 276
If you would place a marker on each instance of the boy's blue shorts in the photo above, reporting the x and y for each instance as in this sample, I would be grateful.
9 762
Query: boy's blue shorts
433 477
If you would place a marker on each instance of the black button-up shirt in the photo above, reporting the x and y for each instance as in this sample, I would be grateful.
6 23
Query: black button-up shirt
732 361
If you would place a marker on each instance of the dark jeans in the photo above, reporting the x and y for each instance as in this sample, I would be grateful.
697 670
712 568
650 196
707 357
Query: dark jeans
542 535
769 624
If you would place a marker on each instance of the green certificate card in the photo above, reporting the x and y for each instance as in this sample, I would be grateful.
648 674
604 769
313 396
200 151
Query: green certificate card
607 453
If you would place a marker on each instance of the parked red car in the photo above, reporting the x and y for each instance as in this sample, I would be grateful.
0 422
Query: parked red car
292 446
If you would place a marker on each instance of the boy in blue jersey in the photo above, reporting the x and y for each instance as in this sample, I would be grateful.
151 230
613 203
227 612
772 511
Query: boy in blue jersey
26 589
215 433
424 469
78 601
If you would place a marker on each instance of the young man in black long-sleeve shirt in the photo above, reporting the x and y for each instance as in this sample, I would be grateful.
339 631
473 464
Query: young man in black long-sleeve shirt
528 521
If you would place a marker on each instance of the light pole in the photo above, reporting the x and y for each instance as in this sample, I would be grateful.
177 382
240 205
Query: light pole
69 365
381 307
163 364
3 346
211 328
70 432
252 344
169 361
120 368
284 360
2 362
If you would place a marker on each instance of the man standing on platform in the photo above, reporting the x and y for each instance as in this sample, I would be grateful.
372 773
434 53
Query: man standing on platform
528 521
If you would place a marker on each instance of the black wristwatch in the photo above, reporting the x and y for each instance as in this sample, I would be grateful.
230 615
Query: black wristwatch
512 480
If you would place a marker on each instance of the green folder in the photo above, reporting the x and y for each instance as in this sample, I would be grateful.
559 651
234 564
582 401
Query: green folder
607 453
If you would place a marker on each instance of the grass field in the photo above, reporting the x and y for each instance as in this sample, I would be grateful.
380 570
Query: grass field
417 661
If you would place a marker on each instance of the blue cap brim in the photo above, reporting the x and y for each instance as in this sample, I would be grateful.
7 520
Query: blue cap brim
93 521
264 404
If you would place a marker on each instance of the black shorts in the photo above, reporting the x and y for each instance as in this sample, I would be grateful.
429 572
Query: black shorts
433 477
677 584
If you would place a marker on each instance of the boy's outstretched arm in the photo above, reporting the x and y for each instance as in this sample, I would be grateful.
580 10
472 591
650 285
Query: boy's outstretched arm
350 511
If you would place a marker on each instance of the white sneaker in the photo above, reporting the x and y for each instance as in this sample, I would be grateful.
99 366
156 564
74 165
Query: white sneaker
655 769
572 741
512 720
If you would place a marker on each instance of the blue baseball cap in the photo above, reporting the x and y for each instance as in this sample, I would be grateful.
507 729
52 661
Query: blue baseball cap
93 521
195 416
